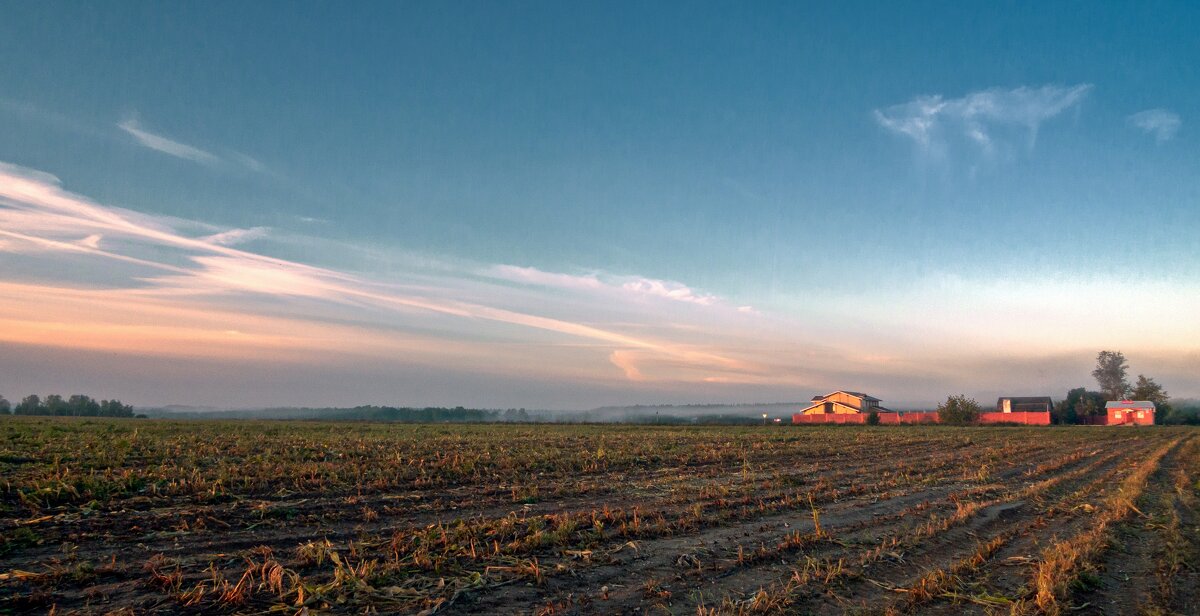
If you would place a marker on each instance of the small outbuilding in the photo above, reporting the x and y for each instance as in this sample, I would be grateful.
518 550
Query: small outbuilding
1024 404
1130 413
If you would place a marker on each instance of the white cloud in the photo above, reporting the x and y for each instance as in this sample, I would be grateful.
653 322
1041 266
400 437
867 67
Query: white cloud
1162 123
635 286
237 236
669 290
38 217
248 162
534 276
177 287
167 146
979 118
625 360
178 149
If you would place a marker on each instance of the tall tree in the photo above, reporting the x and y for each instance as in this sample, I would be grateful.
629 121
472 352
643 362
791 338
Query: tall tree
1081 404
5 406
1087 407
1147 389
1064 412
80 405
30 405
55 405
1110 374
114 408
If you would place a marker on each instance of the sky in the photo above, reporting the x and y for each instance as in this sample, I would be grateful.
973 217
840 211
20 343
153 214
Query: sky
562 206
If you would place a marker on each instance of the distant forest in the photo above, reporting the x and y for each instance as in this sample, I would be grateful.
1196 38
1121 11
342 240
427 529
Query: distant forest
637 415
75 406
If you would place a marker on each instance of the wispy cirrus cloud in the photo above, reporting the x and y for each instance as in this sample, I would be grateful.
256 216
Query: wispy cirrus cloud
982 118
535 276
178 149
142 136
166 145
237 236
630 286
108 280
38 217
1162 123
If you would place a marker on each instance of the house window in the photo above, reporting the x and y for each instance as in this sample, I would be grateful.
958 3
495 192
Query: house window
1141 414
828 407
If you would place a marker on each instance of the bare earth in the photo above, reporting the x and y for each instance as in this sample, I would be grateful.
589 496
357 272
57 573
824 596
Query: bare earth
129 516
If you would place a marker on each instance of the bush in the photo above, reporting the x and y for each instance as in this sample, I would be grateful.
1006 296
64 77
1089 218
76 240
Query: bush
958 411
873 418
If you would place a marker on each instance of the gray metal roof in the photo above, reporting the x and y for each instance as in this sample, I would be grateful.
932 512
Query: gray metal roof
1129 404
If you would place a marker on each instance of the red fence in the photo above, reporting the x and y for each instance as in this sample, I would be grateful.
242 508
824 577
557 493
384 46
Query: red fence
1041 418
1029 418
908 418
831 418
861 418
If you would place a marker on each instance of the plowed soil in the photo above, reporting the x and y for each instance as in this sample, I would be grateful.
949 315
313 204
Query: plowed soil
128 516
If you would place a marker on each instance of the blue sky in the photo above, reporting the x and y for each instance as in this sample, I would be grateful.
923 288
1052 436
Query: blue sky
746 202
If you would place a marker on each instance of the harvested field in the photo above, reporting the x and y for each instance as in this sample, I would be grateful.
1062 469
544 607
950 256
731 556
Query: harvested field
102 516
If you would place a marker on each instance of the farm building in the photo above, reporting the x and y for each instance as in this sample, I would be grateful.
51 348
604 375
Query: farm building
843 403
1017 404
1130 413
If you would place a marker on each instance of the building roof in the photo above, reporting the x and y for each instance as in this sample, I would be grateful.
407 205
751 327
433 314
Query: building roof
856 394
821 403
1129 404
1026 399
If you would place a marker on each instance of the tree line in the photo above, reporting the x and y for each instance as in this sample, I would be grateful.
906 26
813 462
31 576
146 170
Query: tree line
1082 405
77 405
1112 378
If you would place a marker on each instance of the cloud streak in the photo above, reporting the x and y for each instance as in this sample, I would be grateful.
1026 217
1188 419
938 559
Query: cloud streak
38 217
110 280
634 287
167 146
982 118
178 149
1162 123
237 236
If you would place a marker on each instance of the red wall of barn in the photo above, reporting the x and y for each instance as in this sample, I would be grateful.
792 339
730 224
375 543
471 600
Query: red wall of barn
1129 417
